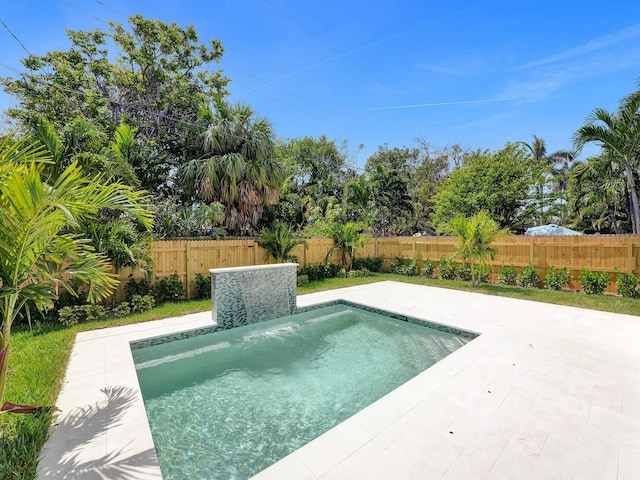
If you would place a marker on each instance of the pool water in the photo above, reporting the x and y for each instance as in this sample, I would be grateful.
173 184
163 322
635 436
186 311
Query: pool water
226 405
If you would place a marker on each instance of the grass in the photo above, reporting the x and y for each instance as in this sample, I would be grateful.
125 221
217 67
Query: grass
38 357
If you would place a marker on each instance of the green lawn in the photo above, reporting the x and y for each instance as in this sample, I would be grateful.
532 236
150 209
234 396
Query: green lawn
38 356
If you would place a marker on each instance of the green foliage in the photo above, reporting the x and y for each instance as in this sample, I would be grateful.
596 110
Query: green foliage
320 271
628 284
482 273
359 273
20 445
278 243
447 268
122 310
404 266
463 271
175 221
77 314
169 289
302 280
317 170
529 277
428 269
498 183
39 251
617 134
236 167
475 236
202 286
141 287
373 264
507 275
142 303
348 237
557 279
153 74
594 283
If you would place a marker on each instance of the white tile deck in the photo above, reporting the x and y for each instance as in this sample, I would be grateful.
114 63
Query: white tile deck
545 392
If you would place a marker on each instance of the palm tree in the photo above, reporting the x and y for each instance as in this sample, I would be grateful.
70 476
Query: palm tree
476 234
278 243
37 254
239 168
618 135
598 188
348 237
542 165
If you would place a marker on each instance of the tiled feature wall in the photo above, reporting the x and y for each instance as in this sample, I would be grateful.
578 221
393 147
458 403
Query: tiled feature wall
245 295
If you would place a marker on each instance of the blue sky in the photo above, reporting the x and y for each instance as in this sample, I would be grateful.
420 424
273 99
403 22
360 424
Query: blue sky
386 72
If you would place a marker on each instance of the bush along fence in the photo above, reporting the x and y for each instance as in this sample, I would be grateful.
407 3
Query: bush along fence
611 255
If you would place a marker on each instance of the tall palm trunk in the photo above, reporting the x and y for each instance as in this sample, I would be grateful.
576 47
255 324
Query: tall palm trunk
635 208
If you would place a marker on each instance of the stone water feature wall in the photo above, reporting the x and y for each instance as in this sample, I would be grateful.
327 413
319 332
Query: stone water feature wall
245 295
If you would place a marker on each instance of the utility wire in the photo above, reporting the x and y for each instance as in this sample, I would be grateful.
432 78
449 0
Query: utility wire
331 46
15 37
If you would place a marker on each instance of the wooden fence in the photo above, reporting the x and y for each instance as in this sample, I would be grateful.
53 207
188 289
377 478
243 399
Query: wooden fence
606 253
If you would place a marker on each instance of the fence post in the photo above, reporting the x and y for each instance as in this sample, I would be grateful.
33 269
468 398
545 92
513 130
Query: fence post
531 255
255 252
630 258
187 253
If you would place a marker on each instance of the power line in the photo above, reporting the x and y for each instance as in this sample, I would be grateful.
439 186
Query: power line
331 46
15 37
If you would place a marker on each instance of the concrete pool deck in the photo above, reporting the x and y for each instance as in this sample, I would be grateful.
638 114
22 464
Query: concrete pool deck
545 392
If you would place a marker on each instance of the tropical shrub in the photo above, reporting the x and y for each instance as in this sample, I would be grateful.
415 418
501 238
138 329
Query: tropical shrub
447 268
76 314
359 273
557 279
169 289
320 271
483 273
122 310
475 236
594 283
428 269
529 277
278 243
404 266
302 280
142 303
628 285
507 275
141 287
202 286
463 271
348 237
373 264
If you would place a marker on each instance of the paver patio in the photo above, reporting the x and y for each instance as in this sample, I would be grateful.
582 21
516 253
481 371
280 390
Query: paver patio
545 392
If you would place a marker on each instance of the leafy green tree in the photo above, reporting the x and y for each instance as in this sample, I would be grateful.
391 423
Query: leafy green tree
37 254
348 237
498 183
239 168
391 201
279 244
317 170
150 75
475 235
618 135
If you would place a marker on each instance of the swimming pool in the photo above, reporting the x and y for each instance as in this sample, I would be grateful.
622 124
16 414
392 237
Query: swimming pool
229 404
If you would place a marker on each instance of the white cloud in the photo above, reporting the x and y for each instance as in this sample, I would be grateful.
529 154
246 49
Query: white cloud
599 43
